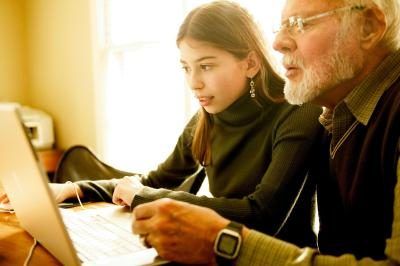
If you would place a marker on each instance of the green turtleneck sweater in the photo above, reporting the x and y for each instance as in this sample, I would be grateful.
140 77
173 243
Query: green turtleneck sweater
260 155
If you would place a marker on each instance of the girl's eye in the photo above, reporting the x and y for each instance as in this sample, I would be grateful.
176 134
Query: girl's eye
185 68
205 67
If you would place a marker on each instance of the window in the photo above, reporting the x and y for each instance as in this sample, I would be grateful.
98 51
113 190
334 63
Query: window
146 102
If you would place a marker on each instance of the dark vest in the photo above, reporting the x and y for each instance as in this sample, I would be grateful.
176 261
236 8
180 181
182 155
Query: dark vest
356 194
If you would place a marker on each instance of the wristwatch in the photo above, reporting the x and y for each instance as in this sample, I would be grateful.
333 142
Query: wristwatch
228 243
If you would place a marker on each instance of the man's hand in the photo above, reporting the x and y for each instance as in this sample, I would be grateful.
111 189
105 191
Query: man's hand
179 231
126 189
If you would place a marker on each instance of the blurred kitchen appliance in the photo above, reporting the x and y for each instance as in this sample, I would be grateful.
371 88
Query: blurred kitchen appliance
39 126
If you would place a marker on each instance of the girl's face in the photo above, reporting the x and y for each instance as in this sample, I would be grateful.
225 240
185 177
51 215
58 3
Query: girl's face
216 77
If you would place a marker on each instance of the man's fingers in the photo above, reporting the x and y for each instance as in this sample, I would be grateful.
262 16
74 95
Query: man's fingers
144 239
145 211
142 214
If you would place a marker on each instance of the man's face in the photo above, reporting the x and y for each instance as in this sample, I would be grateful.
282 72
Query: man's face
322 57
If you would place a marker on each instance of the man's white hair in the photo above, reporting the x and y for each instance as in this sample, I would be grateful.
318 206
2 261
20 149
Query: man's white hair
391 9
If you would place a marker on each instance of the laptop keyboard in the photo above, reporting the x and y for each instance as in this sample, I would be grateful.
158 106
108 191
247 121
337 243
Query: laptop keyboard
95 237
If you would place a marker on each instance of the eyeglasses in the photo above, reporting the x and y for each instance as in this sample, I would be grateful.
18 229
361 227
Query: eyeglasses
295 24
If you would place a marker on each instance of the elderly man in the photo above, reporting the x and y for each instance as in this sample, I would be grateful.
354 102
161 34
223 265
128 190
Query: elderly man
343 55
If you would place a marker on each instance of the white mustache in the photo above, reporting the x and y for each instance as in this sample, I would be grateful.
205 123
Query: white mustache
292 61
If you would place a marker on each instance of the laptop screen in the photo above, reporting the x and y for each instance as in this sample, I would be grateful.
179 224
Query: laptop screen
26 185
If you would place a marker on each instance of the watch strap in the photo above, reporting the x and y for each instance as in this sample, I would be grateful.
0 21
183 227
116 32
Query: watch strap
234 226
221 261
237 227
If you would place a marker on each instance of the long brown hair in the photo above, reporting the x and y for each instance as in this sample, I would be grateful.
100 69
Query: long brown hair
229 27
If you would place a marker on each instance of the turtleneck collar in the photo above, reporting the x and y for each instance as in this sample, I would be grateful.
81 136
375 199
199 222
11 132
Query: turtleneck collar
241 112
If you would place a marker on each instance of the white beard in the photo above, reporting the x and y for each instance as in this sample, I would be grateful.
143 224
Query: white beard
333 69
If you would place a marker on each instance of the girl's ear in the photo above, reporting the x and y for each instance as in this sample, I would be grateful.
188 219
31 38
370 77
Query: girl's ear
253 64
373 28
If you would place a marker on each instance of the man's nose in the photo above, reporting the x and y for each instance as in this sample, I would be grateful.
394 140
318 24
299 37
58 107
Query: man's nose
283 43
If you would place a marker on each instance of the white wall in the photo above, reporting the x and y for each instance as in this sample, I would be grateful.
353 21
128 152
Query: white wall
60 65
13 72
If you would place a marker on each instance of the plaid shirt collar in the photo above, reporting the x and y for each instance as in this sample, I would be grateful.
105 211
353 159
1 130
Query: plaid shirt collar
361 102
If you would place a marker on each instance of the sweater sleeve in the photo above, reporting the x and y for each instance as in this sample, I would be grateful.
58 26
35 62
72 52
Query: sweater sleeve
99 190
260 249
266 206
170 174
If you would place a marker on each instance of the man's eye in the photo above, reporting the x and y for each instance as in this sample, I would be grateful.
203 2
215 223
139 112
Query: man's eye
306 25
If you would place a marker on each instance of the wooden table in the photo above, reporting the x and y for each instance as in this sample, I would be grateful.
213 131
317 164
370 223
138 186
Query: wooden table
15 244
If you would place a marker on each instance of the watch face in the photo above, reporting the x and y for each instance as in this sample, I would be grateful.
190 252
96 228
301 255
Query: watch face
228 244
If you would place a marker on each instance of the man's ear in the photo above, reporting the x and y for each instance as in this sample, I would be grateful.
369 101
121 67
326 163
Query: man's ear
373 28
253 64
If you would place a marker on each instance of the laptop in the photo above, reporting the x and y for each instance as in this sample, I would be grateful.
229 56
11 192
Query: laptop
26 185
